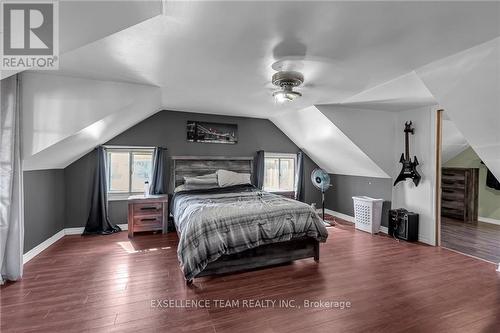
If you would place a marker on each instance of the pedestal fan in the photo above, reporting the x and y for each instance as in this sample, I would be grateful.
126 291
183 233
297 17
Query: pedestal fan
321 180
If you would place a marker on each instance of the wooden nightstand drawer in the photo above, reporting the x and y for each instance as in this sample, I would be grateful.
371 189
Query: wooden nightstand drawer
154 208
146 223
147 213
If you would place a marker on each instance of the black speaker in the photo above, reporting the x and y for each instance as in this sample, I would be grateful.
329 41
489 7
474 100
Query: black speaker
403 224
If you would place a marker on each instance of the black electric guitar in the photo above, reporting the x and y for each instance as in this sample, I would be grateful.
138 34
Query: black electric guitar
409 169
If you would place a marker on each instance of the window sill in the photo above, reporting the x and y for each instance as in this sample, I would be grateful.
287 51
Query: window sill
121 196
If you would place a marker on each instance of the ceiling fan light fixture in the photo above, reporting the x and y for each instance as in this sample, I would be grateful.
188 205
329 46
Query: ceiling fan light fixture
285 95
287 80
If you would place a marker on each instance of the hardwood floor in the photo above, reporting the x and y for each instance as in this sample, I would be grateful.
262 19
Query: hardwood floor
107 283
480 240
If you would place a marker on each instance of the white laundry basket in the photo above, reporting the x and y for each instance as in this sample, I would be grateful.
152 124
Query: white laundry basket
367 213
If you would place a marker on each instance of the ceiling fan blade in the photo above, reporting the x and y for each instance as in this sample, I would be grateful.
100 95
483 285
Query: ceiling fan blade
291 63
326 80
312 67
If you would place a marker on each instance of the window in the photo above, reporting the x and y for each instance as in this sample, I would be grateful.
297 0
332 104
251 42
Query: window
128 169
279 172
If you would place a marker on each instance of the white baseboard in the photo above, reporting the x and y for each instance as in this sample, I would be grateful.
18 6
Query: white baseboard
384 230
42 246
79 231
424 239
73 231
60 234
488 220
345 217
349 218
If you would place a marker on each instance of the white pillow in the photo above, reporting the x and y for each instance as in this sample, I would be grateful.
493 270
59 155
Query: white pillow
200 181
229 178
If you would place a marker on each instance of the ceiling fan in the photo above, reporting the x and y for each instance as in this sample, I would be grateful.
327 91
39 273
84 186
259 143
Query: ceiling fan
310 76
287 80
298 75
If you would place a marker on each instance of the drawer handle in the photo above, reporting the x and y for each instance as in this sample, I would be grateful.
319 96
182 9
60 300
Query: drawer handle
150 219
149 208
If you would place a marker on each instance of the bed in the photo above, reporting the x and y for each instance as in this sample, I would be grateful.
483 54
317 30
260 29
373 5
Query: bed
224 230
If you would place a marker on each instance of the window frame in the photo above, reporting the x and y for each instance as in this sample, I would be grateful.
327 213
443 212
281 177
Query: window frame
281 156
120 195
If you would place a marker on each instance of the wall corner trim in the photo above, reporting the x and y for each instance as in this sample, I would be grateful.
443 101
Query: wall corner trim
51 240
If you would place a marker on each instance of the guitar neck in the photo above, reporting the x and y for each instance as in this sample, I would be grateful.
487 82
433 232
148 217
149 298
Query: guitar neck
407 146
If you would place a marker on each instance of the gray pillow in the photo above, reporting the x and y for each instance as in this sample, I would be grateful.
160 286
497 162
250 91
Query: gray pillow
193 187
210 179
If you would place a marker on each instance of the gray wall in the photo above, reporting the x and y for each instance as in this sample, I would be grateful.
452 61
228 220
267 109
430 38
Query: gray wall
168 129
44 206
339 197
78 178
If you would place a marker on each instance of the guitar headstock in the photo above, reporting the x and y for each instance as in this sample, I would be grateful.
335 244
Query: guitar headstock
408 128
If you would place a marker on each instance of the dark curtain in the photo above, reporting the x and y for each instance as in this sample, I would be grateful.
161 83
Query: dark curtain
259 170
299 179
491 181
98 221
159 178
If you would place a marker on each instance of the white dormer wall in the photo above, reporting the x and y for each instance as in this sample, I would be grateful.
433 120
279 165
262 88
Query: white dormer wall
419 199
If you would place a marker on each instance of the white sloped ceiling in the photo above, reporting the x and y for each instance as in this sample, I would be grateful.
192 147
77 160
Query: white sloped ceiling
64 117
453 142
467 86
326 144
83 22
402 93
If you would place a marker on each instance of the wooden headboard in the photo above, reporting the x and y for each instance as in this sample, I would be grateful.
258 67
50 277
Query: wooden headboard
189 166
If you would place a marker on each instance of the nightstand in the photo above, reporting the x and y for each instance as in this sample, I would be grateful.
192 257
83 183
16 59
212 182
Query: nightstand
147 213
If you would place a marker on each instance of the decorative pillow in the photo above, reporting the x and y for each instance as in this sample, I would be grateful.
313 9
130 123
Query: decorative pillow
210 179
228 178
210 175
194 187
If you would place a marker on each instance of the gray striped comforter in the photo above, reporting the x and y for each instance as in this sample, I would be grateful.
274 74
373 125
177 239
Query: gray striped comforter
212 223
